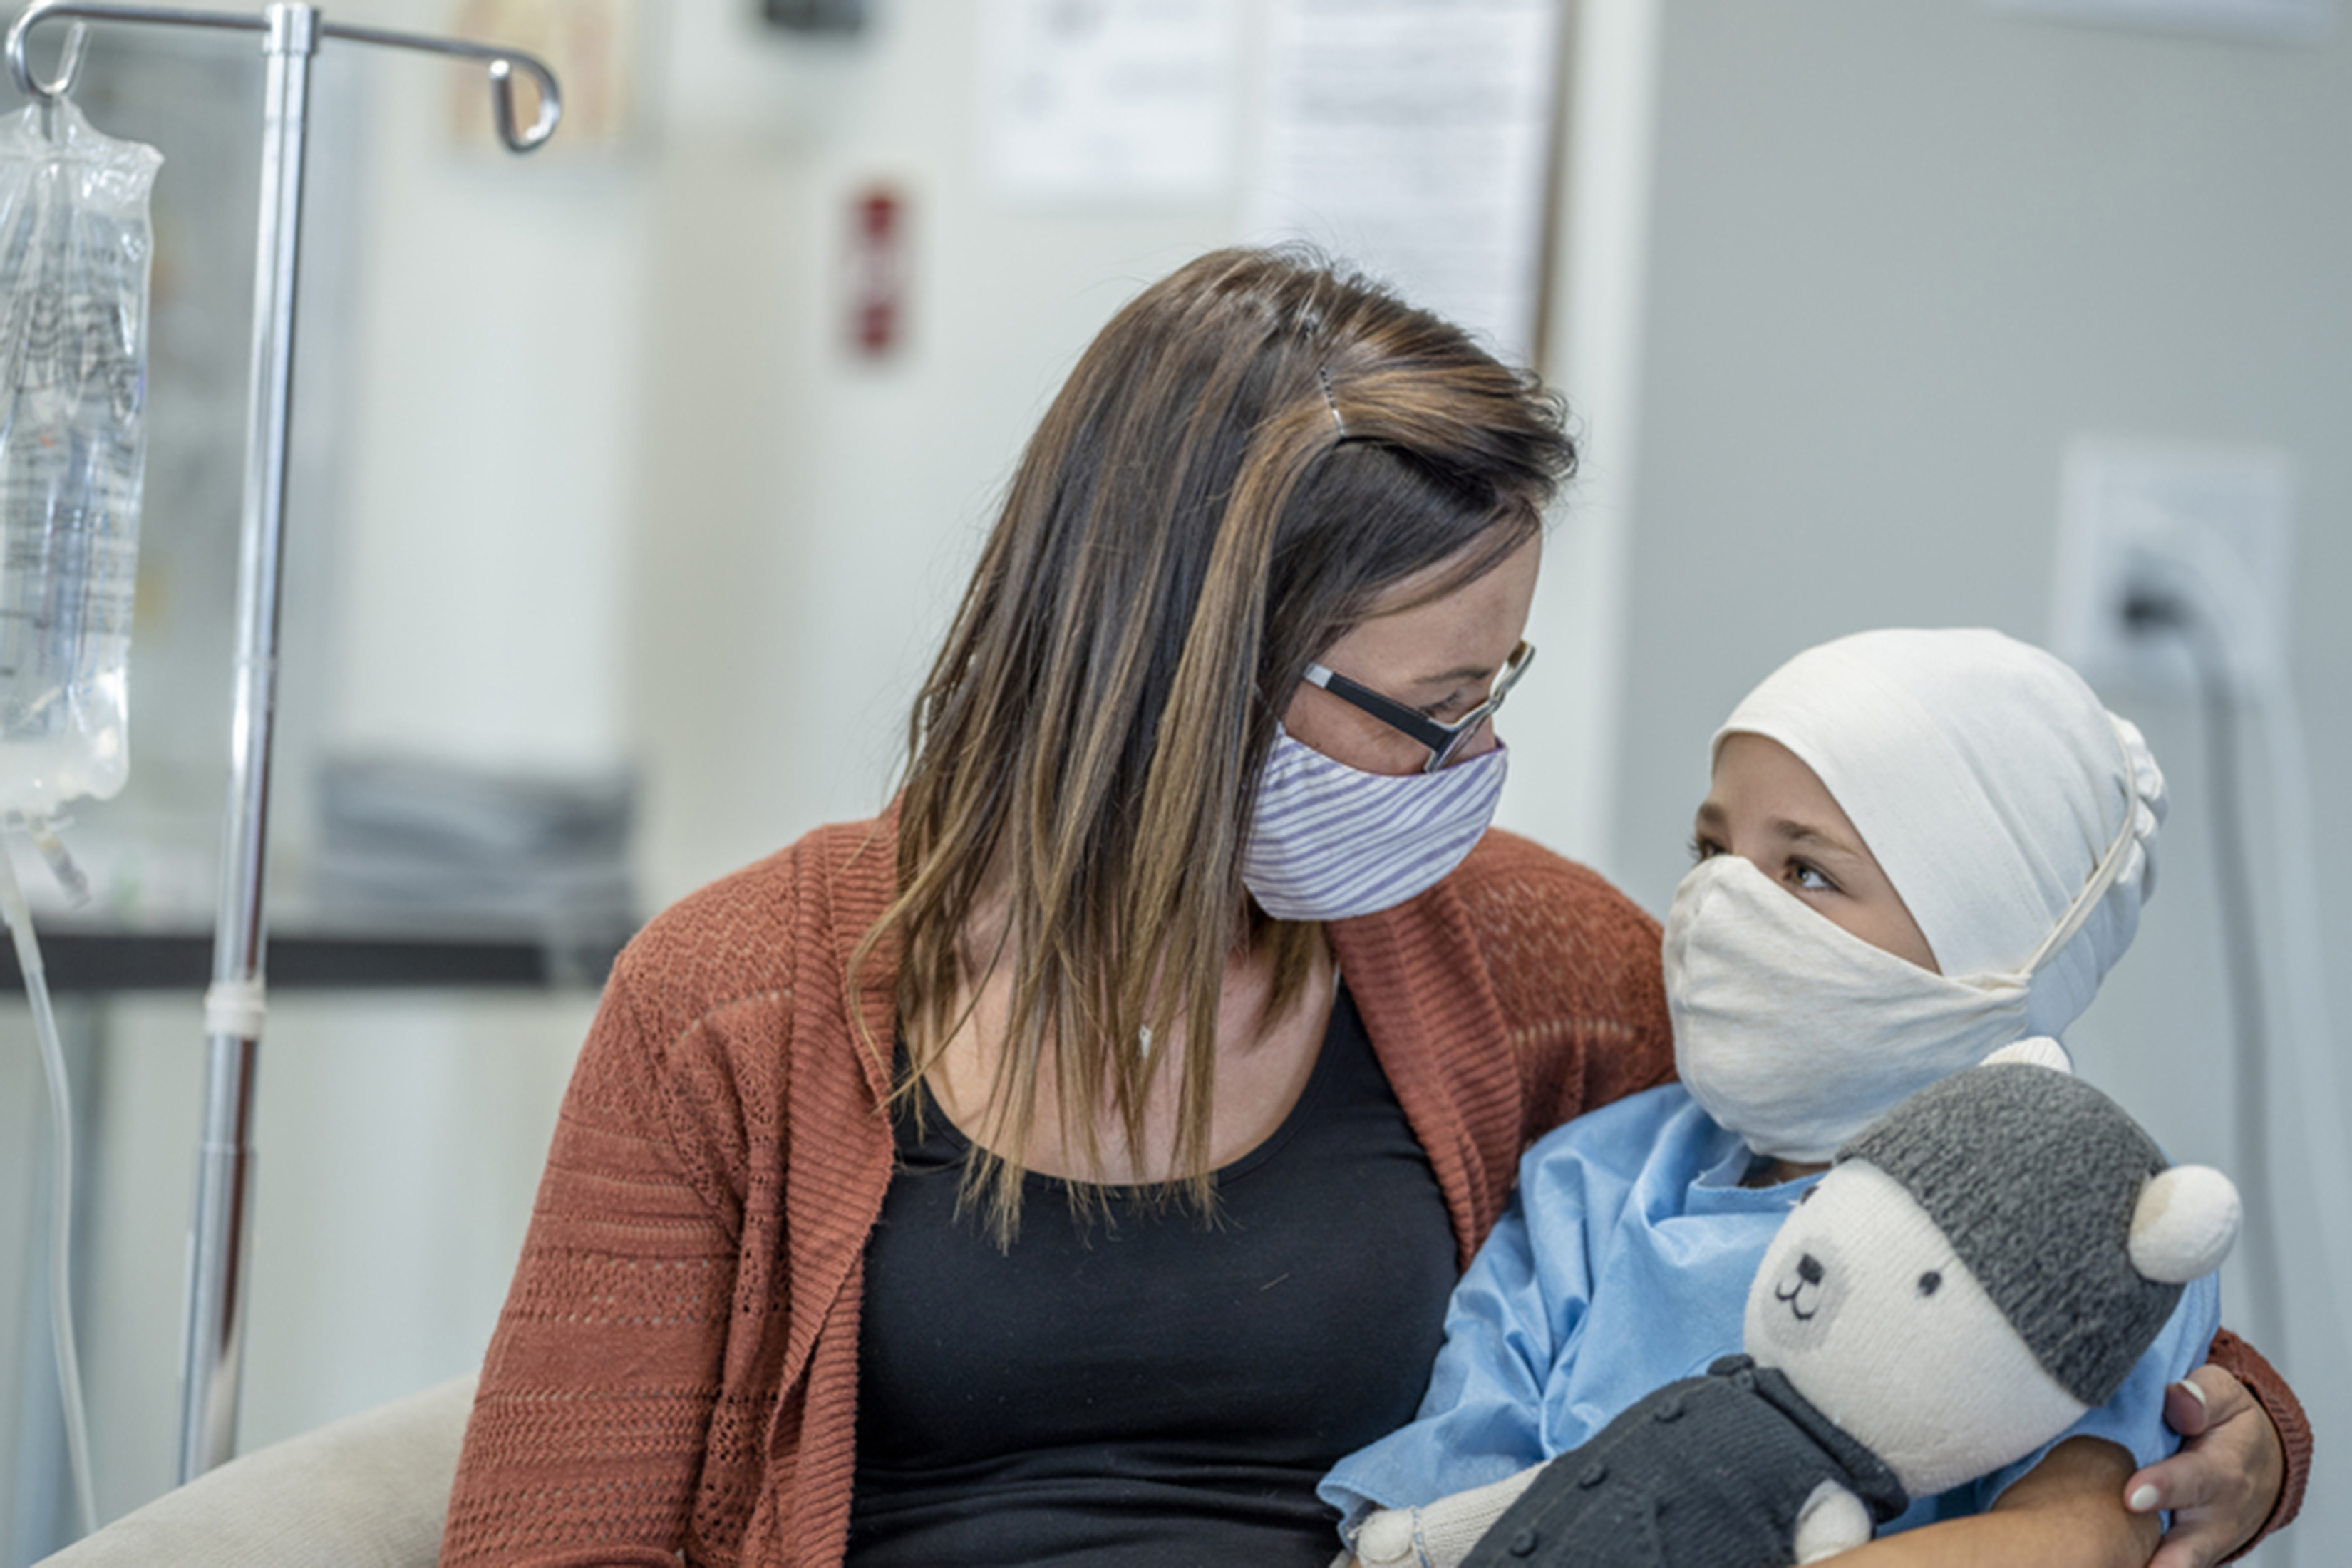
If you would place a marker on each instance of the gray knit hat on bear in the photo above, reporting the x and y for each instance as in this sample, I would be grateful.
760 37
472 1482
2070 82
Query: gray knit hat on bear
2033 1176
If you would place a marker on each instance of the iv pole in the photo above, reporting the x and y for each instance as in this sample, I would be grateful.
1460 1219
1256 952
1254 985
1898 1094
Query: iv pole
233 1008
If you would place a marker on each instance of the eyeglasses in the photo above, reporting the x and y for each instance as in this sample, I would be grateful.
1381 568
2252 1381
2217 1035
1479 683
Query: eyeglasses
1443 741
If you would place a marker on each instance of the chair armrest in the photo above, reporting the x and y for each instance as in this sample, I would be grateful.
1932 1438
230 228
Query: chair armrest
369 1491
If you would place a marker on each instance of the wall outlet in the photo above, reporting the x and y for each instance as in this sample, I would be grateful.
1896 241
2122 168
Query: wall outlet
2208 528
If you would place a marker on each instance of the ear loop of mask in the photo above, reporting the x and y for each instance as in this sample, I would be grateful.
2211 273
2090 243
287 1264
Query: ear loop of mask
2103 876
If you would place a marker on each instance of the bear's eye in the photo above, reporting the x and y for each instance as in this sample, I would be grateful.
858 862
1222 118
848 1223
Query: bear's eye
1929 1282
1807 1195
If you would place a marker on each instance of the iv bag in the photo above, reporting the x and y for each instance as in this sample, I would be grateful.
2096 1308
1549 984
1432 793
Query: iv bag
74 248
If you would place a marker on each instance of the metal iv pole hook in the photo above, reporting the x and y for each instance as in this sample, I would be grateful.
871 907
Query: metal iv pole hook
503 62
69 59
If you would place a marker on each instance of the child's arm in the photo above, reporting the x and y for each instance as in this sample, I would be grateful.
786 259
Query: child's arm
2066 1512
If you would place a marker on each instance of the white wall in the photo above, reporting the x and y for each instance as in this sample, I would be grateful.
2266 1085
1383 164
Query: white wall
736 543
492 452
806 520
1899 255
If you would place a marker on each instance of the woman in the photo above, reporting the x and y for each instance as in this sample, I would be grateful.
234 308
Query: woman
995 1181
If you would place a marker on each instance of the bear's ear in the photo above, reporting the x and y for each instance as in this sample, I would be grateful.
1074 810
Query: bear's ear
2035 1050
2183 1225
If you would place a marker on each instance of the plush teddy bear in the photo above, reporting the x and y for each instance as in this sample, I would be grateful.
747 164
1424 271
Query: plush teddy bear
1980 1267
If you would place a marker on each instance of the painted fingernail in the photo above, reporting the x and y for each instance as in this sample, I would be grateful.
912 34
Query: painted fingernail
2193 1389
2143 1500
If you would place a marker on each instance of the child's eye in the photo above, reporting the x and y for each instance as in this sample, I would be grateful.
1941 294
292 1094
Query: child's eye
1809 878
1703 849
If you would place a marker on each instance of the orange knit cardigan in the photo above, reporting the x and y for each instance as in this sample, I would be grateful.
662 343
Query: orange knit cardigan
676 1369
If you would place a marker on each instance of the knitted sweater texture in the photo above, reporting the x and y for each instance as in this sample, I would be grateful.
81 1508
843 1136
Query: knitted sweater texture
676 1369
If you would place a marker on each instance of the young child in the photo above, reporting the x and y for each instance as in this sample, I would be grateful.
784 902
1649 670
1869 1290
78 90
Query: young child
1918 847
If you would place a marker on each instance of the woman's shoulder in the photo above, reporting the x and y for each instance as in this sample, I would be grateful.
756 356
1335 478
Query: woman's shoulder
1514 886
759 933
730 1014
1553 934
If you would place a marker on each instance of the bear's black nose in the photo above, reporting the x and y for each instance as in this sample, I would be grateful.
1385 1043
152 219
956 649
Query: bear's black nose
1809 1270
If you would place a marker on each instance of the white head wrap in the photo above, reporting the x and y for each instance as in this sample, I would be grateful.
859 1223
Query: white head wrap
1991 785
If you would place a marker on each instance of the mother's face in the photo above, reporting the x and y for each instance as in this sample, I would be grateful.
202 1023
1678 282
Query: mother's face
1439 658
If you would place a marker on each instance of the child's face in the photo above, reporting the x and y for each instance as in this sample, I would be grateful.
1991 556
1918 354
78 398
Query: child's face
1770 809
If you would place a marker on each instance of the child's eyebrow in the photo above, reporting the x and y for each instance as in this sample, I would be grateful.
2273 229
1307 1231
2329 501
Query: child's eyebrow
1806 833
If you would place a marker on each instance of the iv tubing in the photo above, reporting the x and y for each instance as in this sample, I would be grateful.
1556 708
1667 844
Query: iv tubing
53 1067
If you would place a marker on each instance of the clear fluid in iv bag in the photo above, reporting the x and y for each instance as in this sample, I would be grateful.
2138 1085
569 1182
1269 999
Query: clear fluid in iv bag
74 248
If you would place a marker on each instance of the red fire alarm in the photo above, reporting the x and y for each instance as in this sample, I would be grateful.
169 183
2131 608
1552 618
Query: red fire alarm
876 272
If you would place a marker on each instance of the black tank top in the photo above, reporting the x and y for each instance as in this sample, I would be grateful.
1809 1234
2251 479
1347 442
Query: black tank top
1142 1389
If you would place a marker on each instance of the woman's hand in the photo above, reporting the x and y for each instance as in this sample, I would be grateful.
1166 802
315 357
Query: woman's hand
2224 1481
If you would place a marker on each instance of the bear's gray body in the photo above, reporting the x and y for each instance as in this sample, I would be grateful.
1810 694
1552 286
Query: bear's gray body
1711 1470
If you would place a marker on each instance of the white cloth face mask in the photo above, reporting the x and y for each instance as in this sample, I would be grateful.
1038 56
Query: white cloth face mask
1796 1034
1330 842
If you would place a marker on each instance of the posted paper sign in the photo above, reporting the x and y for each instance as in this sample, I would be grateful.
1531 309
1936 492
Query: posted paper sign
1413 139
1108 102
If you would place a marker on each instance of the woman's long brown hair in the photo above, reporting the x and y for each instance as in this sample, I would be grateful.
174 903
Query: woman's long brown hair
1249 455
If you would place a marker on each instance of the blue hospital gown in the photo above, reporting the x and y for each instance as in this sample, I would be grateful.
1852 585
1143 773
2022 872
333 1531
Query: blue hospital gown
1634 1272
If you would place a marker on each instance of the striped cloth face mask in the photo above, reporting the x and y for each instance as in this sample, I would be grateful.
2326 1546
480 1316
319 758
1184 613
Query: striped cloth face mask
1330 842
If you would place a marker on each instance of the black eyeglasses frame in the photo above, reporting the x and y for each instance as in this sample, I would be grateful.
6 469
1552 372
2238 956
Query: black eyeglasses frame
1442 740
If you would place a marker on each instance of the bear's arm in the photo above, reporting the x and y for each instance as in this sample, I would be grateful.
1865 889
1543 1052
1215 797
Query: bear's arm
1833 1520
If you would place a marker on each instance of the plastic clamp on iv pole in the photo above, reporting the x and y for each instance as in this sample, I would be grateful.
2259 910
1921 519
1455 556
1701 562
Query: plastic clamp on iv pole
237 1007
